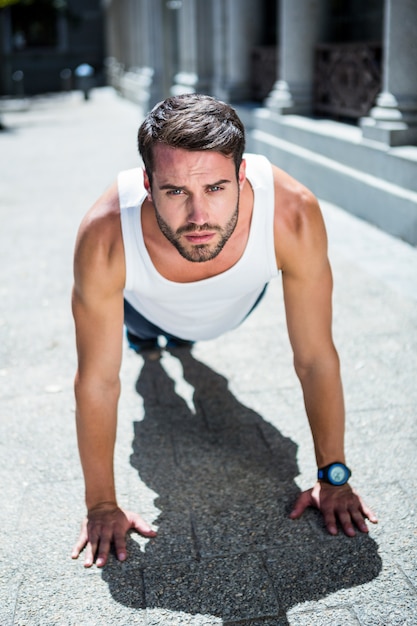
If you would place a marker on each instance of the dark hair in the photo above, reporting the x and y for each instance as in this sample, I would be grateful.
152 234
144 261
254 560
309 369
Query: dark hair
192 122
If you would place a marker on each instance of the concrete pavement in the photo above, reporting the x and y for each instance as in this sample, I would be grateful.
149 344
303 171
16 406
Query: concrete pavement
213 446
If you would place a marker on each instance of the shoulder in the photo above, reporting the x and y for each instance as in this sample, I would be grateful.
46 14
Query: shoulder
299 229
99 253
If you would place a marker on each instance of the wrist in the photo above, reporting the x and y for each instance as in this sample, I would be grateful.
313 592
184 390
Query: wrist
105 505
96 498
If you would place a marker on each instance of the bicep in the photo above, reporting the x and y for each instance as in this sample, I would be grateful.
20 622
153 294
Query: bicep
308 306
99 328
308 284
97 304
97 300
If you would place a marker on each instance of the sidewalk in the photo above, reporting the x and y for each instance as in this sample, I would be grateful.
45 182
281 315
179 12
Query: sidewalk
213 446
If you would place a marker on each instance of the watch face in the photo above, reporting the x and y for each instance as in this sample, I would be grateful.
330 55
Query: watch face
337 474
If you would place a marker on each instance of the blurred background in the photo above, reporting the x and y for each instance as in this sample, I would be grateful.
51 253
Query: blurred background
327 89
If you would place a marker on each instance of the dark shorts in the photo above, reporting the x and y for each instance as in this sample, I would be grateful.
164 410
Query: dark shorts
142 328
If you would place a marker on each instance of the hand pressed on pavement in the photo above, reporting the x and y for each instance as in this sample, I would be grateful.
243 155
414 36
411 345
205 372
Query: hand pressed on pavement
106 524
337 504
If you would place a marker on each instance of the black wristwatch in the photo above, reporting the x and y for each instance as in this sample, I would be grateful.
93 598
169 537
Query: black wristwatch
335 474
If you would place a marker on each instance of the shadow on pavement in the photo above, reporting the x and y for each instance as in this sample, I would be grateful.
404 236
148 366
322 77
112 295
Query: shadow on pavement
225 484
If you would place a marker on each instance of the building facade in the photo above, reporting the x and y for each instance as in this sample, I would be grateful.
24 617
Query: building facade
327 88
42 42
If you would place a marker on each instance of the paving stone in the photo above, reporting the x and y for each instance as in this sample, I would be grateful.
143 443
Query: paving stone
312 571
160 617
231 588
330 617
381 613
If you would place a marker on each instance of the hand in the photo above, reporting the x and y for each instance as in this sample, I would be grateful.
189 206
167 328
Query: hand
341 504
104 524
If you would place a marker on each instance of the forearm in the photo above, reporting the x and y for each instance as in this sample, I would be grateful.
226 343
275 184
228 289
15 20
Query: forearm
323 398
96 419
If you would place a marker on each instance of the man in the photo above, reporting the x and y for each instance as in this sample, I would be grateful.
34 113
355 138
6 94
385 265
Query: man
184 251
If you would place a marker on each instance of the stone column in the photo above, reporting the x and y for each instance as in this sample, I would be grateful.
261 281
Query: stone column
195 40
236 29
145 34
114 53
153 22
214 40
394 119
300 24
241 32
130 29
220 17
112 19
135 45
139 35
123 41
186 79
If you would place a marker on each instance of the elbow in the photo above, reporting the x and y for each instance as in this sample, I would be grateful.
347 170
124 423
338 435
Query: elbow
96 386
306 367
302 368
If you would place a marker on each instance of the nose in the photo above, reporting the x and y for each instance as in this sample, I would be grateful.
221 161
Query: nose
197 212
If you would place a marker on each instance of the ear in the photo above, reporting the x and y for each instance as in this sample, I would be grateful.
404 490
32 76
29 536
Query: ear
242 174
147 185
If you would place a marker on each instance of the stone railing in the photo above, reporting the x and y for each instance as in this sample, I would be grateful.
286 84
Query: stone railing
347 78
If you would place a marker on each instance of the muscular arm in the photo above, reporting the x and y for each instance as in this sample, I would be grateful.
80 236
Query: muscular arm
301 247
307 283
98 313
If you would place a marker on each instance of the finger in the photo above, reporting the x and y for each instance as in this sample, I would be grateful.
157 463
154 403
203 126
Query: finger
304 500
89 554
92 544
345 520
120 546
142 527
368 513
330 522
81 542
79 546
103 551
359 521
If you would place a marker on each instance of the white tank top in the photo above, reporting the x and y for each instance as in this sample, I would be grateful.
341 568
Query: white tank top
206 308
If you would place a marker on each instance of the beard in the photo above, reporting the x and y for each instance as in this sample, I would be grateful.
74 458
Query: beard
199 253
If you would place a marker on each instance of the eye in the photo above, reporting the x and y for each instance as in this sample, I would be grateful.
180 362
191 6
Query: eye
215 188
174 192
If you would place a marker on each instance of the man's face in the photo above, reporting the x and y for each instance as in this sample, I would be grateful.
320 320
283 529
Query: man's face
196 199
